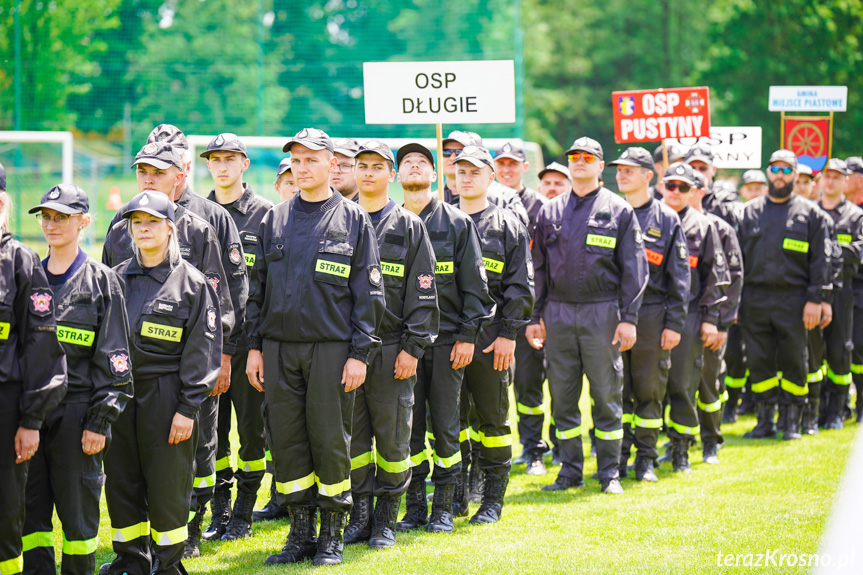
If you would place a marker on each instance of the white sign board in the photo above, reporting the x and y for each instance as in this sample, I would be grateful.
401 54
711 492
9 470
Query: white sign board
471 92
808 99
736 147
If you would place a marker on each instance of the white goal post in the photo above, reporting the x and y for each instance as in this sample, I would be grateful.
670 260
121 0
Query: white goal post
64 138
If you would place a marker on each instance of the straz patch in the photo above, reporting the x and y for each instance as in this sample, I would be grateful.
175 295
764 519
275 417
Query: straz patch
444 268
391 269
654 257
40 303
161 331
375 277
119 362
602 241
796 245
425 282
75 336
654 232
5 328
214 280
491 265
211 318
250 259
235 254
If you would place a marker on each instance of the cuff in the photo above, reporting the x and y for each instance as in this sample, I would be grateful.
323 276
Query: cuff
229 347
629 317
360 354
256 343
507 331
710 317
30 423
97 424
187 410
466 336
412 349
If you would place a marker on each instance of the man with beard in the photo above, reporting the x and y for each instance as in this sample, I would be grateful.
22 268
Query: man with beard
342 178
786 253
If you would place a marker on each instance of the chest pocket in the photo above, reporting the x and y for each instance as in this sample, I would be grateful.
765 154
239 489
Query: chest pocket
796 241
333 262
601 237
551 232
161 328
7 317
393 264
445 266
493 252
76 328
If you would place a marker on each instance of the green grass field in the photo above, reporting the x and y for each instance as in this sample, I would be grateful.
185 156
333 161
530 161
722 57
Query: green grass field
766 494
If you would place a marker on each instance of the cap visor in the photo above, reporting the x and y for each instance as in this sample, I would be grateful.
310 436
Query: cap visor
568 152
283 170
308 144
150 211
542 174
510 156
625 162
475 161
375 153
683 179
155 162
345 152
411 149
57 207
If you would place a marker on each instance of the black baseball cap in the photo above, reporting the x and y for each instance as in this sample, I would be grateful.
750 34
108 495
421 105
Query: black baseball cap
837 165
700 152
635 156
411 148
169 133
284 166
2 178
346 147
152 202
161 155
311 138
854 164
477 156
463 138
680 172
675 151
226 142
66 199
555 167
585 144
512 150
379 148
786 156
805 170
753 177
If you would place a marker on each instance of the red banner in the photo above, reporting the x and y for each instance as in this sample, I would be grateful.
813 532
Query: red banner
653 115
808 138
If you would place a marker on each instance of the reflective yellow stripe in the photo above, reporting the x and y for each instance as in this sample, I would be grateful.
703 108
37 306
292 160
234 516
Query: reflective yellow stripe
393 466
444 268
297 485
168 538
333 268
795 245
429 435
37 539
724 397
710 407
474 436
646 423
420 457
191 516
491 265
5 328
551 420
205 481
12 566
682 429
390 269
735 382
250 259
85 547
601 241
223 463
815 377
160 331
844 379
568 433
844 239
268 456
447 462
132 532
73 335
495 440
522 408
627 419
361 460
795 389
250 466
333 489
463 435
856 368
765 385
609 435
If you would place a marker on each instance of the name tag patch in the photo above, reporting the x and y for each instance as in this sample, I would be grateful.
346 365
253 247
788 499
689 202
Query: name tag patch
390 269
601 241
5 328
444 268
493 265
795 245
844 239
250 259
333 268
75 336
654 257
163 332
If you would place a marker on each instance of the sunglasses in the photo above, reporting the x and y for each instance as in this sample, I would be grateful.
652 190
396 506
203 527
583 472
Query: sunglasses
586 156
448 153
682 188
776 169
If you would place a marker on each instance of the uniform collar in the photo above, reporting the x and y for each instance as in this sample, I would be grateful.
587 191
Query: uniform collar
430 207
575 200
186 196
159 273
241 204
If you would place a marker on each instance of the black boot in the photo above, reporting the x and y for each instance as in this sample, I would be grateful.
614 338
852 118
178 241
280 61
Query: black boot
416 506
835 407
461 503
792 422
781 418
644 469
240 525
809 424
710 452
667 456
825 407
193 541
221 508
680 455
491 507
359 527
302 542
729 415
384 522
747 404
535 463
441 520
764 428
272 510
477 479
330 544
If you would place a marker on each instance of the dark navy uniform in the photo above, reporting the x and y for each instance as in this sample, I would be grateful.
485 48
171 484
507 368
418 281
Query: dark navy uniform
591 273
93 329
32 380
646 365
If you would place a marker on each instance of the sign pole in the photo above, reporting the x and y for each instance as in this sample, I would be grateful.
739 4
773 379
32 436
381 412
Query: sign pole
830 138
664 157
782 129
439 130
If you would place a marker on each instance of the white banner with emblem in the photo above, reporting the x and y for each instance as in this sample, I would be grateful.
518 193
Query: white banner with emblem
737 147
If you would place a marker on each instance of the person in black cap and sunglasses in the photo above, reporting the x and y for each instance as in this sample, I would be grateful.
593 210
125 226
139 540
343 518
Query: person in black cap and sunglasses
32 379
662 316
316 302
93 329
176 347
786 254
591 274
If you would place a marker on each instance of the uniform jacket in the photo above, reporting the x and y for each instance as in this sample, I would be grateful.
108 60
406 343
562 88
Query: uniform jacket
734 262
532 201
499 195
707 265
848 225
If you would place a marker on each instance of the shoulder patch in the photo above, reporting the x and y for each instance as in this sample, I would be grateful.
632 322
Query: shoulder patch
639 239
375 277
234 254
837 250
119 362
40 302
734 260
211 318
719 260
682 252
530 270
481 265
213 279
425 282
